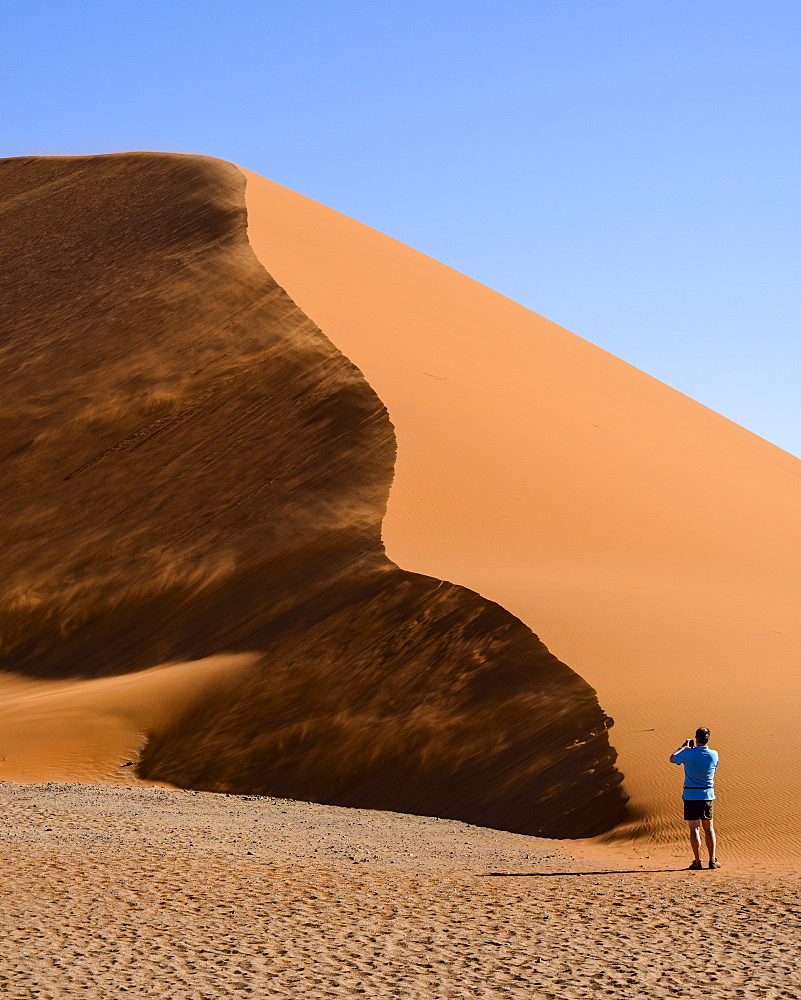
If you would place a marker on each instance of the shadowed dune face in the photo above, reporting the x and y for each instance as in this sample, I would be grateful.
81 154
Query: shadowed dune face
190 468
174 422
414 695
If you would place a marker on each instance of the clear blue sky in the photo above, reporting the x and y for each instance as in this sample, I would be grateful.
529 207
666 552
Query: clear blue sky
631 170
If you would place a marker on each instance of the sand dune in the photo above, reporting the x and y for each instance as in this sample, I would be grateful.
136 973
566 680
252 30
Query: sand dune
650 542
191 471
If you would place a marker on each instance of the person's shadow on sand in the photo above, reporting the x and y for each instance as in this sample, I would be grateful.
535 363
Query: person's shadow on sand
632 871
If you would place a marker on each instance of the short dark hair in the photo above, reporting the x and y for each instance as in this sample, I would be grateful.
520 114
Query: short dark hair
702 736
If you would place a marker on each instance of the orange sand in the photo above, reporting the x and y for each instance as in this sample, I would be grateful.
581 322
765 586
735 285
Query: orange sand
650 542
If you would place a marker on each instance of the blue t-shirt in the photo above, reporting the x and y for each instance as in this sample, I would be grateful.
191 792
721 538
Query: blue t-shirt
699 772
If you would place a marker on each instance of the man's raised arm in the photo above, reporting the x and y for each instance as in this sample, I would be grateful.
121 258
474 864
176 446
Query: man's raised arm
684 746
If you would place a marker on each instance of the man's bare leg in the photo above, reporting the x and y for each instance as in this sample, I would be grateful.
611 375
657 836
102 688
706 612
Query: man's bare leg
709 834
695 837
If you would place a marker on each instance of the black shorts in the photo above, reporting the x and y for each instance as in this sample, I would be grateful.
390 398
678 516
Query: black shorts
698 808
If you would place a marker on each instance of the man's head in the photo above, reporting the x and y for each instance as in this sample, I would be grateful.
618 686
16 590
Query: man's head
702 737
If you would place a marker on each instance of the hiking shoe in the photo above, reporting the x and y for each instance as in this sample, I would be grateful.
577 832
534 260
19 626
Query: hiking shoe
714 863
696 866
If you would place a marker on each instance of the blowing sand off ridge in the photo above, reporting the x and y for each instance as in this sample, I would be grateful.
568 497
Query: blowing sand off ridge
651 543
194 480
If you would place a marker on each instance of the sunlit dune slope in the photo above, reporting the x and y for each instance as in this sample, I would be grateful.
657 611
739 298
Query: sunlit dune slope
191 470
652 544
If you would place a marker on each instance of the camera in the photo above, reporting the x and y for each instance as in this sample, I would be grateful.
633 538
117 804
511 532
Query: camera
690 743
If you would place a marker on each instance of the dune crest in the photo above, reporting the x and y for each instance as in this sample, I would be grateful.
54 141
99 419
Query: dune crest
650 542
193 470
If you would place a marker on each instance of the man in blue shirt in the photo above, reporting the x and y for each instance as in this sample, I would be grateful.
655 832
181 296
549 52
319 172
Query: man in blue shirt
699 793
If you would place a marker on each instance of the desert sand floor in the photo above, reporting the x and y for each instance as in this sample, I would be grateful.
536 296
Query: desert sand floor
150 892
